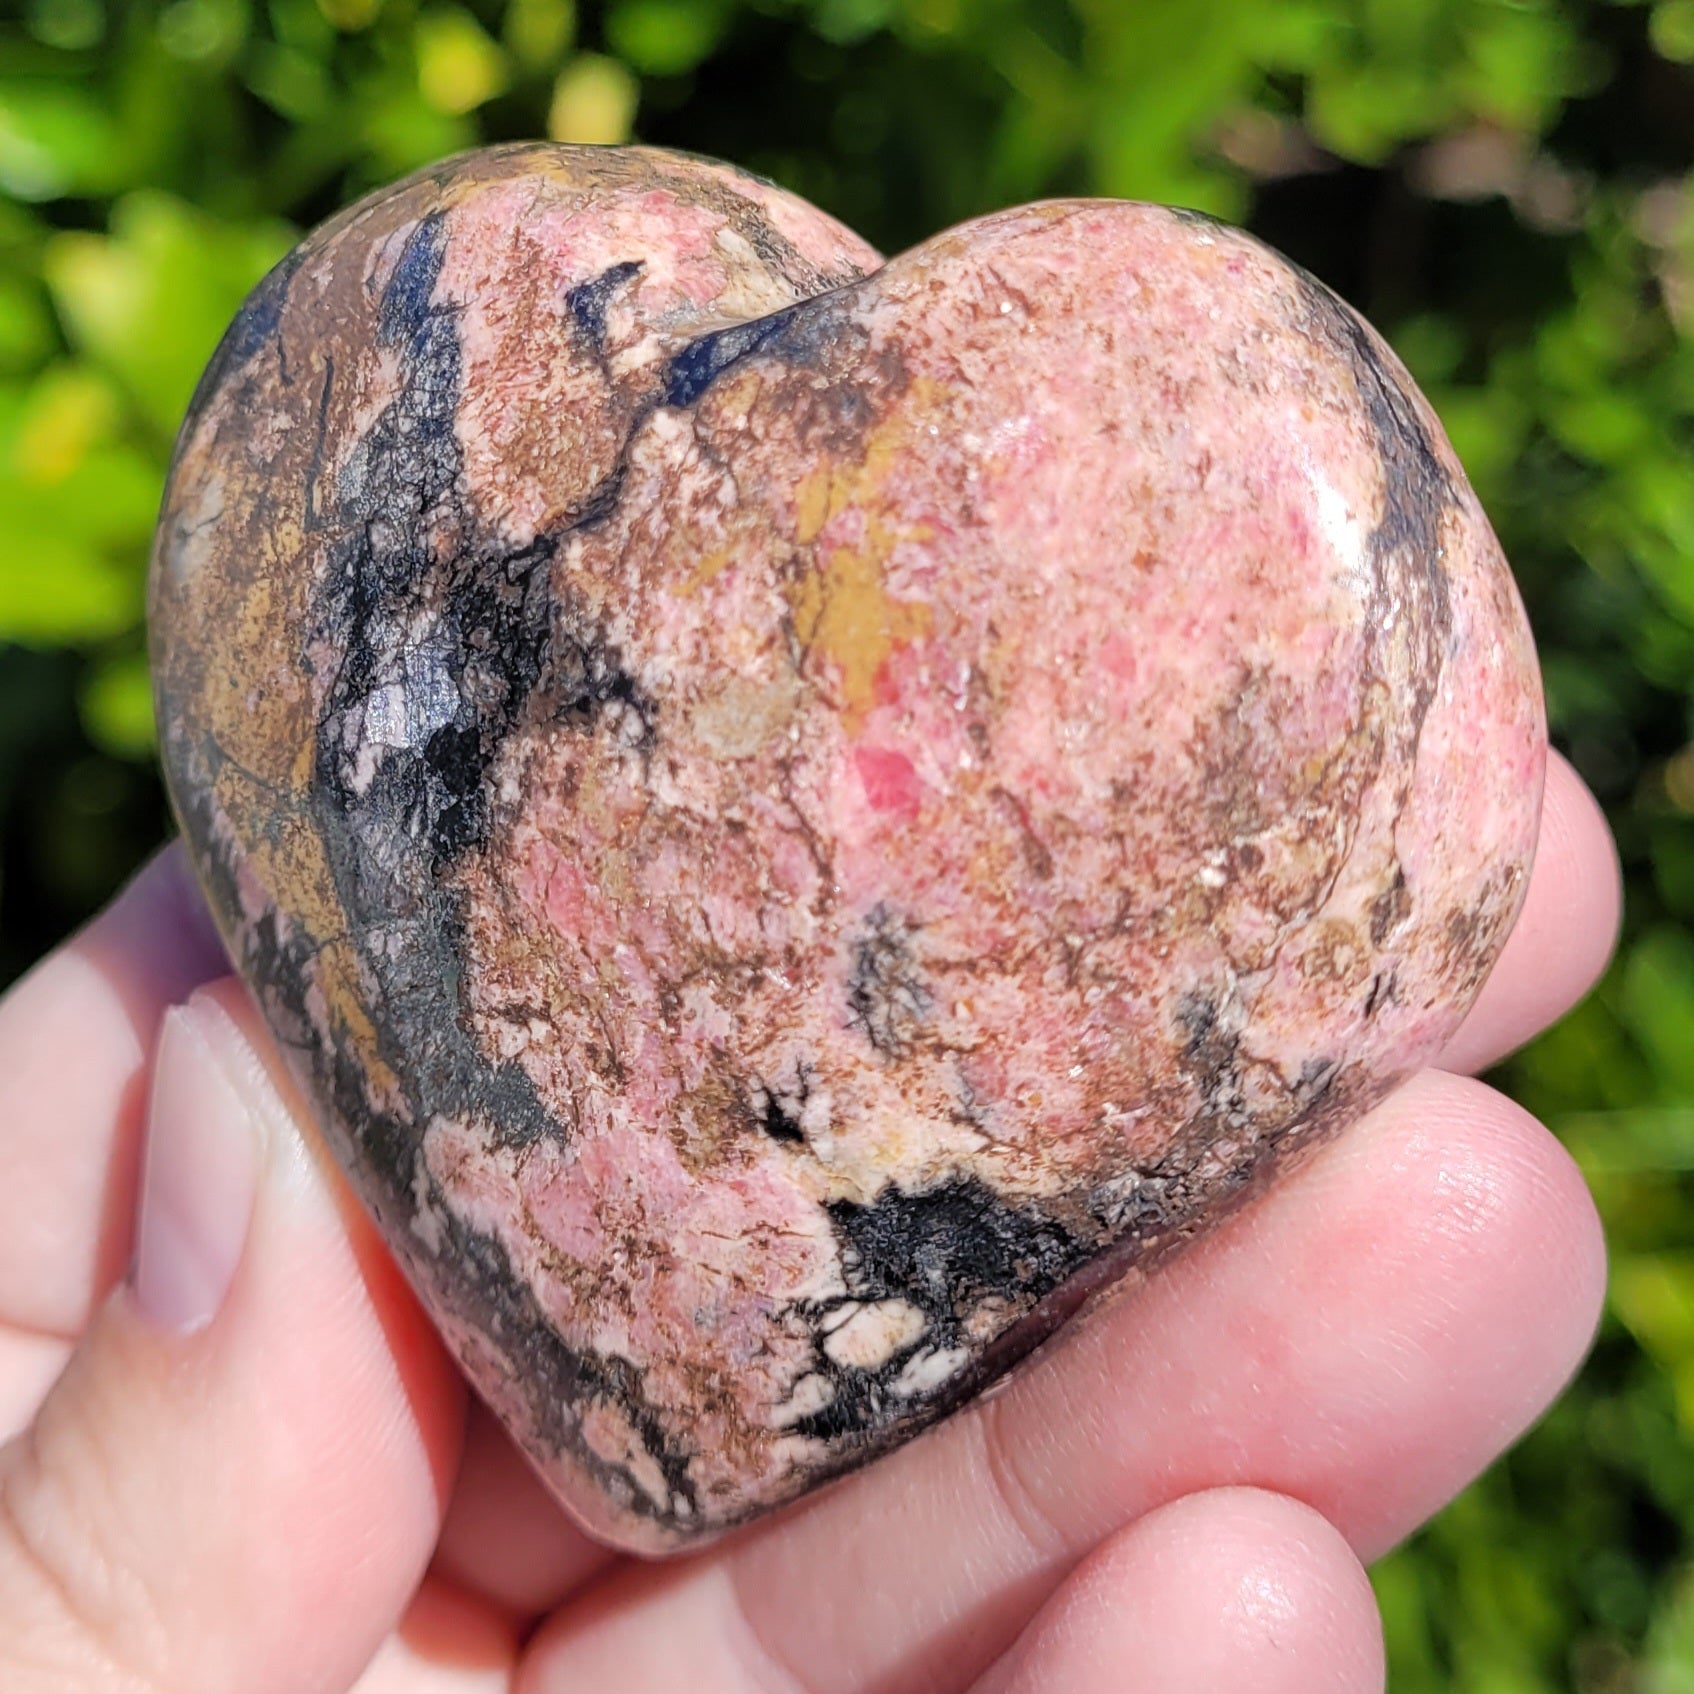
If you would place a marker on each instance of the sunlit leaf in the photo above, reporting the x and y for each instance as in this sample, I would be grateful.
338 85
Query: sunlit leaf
202 31
459 65
1672 29
665 37
70 25
26 328
847 21
117 706
149 301
1659 991
55 139
69 410
539 32
1654 1295
594 101
351 14
55 591
401 130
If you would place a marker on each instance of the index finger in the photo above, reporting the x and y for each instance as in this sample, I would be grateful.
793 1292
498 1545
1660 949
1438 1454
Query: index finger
76 1035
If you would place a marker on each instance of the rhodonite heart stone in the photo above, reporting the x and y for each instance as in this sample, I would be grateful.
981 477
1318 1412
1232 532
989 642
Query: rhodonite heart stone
797 816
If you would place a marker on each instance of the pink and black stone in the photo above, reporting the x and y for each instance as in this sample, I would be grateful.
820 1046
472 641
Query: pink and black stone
795 816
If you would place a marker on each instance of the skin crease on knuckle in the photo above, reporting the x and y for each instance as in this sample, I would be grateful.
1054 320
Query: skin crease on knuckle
67 1582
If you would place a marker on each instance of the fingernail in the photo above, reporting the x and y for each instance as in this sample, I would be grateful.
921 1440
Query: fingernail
204 1136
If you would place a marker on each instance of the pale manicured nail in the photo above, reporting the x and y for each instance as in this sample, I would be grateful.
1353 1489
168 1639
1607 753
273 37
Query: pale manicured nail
204 1141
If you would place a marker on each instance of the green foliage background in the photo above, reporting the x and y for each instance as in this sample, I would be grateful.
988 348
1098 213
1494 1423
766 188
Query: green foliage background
1505 186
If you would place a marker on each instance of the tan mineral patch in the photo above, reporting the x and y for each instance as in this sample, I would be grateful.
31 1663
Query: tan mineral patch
740 716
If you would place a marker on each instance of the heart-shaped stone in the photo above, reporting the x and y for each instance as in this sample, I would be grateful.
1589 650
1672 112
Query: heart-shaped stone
795 818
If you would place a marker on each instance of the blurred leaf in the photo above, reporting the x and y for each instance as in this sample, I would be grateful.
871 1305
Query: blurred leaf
402 131
594 101
664 37
1606 426
1654 1295
459 65
72 26
26 329
847 21
1520 63
539 32
1488 427
149 301
117 706
68 411
55 140
1668 1662
55 591
1658 988
202 32
1673 29
292 83
351 14
1636 1140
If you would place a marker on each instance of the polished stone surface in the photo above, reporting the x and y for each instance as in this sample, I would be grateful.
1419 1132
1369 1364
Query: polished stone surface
796 817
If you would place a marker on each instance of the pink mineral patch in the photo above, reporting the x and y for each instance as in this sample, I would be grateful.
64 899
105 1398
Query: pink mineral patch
890 781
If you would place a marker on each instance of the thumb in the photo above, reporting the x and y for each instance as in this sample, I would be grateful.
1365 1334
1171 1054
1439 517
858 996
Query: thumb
237 1482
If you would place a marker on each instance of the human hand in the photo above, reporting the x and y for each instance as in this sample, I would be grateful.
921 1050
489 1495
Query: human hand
249 1468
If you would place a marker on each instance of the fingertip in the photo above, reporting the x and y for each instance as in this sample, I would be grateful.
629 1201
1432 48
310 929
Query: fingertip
1564 935
1501 1205
1460 1258
1556 1258
1234 1587
1367 1337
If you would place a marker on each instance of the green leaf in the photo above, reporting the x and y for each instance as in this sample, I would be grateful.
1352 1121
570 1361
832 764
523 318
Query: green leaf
148 302
1633 1140
117 707
402 130
1654 1294
1667 1665
70 25
1521 62
539 33
56 139
848 21
26 328
1605 425
56 592
202 32
460 66
1658 988
664 37
1672 30
594 102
